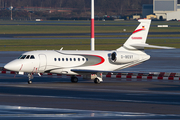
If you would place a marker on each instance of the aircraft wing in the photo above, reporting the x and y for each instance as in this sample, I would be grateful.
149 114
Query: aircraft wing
88 71
101 71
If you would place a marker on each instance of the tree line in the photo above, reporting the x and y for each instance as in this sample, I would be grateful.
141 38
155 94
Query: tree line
81 7
118 6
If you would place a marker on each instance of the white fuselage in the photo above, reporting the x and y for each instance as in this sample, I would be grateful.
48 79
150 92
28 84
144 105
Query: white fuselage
62 62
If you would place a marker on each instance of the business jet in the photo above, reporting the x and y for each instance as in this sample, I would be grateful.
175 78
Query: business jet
86 62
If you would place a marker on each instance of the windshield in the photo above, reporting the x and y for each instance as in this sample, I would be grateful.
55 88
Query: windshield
26 57
22 57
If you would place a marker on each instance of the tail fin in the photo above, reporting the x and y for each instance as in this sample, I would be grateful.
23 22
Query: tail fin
138 38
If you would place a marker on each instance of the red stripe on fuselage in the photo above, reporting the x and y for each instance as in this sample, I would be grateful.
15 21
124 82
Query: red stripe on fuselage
102 60
138 30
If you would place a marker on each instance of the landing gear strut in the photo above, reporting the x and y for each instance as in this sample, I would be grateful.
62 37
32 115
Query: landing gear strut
74 79
30 76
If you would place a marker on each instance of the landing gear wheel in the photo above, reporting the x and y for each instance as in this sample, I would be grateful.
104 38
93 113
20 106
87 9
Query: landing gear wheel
30 76
29 82
97 81
74 79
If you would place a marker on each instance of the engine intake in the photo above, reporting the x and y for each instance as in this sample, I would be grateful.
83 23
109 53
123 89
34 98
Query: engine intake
114 56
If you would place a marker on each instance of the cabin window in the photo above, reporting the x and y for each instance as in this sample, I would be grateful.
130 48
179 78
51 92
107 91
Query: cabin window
86 59
66 59
70 59
82 59
62 59
74 59
78 59
59 59
55 59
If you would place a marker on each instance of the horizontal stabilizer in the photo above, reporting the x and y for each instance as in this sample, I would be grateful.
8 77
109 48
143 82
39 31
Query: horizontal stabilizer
150 46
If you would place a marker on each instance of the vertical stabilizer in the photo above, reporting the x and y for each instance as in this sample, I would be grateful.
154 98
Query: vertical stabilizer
139 36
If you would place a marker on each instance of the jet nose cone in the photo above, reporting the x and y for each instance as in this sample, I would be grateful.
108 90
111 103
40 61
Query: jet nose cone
13 66
6 67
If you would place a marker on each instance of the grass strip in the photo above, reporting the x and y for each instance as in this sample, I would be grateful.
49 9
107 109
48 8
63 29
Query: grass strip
50 29
74 44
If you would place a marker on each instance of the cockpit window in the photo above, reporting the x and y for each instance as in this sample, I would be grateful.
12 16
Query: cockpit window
32 57
19 57
22 57
27 57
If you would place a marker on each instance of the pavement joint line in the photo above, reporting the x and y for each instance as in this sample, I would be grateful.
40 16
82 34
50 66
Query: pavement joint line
96 99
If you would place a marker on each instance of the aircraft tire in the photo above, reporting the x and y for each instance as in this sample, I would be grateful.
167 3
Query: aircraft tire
97 81
74 79
29 81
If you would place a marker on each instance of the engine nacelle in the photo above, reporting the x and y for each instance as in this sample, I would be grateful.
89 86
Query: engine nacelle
123 57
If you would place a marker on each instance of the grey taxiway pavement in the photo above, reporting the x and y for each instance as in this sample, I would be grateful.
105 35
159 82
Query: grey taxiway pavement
113 99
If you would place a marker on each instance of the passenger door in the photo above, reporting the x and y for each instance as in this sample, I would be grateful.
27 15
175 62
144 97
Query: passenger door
42 62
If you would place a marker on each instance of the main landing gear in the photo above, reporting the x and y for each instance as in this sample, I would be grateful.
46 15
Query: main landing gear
96 77
97 81
74 79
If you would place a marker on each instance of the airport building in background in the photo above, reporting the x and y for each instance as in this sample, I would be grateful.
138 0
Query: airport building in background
147 9
166 9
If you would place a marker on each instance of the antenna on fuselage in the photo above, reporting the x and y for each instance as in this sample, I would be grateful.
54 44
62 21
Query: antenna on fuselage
92 25
61 49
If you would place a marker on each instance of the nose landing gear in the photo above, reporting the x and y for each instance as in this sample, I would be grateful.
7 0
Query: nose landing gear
30 76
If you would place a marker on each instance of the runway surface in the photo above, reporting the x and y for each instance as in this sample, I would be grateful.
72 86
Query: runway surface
114 99
58 98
